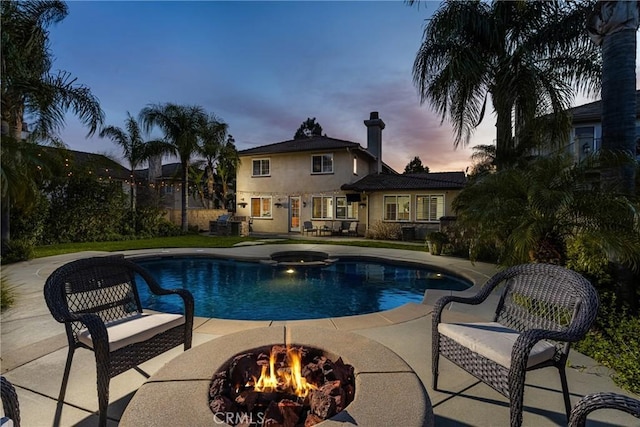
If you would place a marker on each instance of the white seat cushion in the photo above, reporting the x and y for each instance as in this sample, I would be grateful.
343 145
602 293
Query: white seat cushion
134 329
494 341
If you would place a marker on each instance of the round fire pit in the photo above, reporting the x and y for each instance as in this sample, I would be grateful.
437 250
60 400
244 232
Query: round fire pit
281 385
387 391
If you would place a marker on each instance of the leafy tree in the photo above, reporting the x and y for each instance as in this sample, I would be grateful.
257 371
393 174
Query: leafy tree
415 166
308 129
135 149
213 140
83 209
29 89
613 26
526 56
227 166
483 157
182 127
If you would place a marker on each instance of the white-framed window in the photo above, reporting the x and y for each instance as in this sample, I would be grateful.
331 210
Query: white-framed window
355 165
397 208
322 163
261 207
585 140
345 209
261 167
429 207
322 207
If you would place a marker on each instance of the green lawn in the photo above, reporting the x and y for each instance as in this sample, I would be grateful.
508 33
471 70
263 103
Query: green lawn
197 241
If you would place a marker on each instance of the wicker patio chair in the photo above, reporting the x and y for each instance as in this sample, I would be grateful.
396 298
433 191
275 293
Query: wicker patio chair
97 300
603 400
541 311
10 403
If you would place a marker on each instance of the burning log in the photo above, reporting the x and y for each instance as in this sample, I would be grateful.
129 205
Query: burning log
286 387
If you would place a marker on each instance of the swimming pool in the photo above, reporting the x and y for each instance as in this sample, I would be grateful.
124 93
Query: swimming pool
242 290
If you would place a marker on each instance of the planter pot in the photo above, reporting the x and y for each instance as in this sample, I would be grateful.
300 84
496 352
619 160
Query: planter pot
435 248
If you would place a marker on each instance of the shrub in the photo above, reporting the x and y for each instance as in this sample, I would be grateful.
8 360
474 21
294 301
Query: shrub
614 341
167 229
380 230
7 295
17 250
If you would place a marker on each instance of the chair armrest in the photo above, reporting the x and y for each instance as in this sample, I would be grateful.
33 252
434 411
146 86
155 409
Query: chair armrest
155 288
528 339
602 400
476 299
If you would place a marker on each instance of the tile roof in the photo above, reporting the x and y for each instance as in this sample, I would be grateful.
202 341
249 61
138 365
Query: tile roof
592 111
316 143
99 164
418 181
308 144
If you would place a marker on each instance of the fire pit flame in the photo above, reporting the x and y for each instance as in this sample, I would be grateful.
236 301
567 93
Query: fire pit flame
284 386
288 379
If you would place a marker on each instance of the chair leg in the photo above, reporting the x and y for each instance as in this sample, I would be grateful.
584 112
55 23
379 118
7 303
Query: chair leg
516 397
103 379
63 387
435 359
565 390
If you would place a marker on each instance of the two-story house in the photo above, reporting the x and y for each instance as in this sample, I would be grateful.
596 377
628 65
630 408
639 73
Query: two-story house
586 129
322 179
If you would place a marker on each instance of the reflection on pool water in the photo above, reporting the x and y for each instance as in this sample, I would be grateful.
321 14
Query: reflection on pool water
231 289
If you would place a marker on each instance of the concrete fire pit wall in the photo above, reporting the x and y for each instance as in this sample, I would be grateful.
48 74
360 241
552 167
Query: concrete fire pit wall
388 392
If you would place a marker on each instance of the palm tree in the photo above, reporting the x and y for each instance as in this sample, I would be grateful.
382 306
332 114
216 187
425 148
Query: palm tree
525 56
182 128
213 139
29 89
135 149
533 212
613 26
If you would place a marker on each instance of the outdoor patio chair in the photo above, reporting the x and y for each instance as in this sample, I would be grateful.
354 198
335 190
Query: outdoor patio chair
352 230
97 300
602 400
336 228
541 311
10 404
307 227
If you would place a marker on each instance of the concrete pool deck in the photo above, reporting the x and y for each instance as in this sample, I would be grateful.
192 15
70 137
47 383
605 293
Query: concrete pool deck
33 349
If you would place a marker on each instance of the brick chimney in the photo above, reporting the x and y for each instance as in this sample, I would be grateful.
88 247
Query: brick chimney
374 138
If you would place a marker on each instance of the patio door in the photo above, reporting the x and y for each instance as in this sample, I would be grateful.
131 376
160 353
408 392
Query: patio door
294 213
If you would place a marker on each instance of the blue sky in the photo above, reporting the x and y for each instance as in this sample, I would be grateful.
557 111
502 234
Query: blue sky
263 67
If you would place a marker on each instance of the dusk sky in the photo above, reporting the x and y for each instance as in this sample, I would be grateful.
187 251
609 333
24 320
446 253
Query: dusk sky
263 67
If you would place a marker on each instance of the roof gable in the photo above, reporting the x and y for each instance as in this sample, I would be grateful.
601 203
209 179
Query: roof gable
592 112
316 143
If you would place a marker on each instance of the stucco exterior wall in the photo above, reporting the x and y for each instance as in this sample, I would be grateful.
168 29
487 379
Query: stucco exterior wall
199 217
376 209
291 176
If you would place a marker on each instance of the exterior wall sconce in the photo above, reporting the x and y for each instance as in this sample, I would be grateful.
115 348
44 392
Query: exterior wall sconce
586 148
278 205
304 204
242 204
363 205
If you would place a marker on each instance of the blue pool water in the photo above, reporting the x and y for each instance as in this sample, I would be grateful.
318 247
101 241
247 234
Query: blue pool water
231 289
